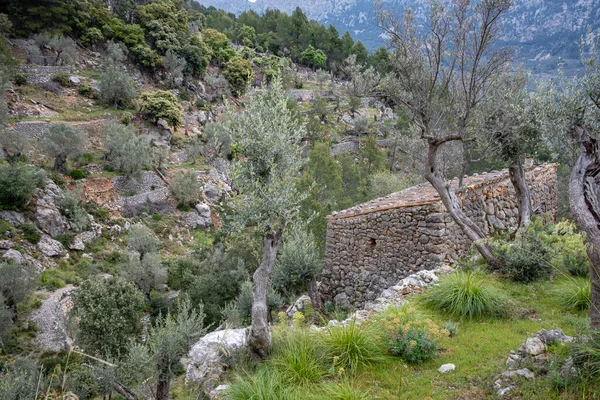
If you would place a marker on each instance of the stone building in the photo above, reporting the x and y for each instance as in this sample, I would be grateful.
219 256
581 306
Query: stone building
374 245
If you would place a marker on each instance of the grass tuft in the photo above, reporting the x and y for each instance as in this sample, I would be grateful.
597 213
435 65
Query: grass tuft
574 293
352 346
467 295
266 384
299 360
344 390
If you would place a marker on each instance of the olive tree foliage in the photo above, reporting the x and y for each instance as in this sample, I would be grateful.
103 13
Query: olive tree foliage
6 319
64 47
300 263
175 66
147 273
14 144
61 141
186 188
17 283
109 313
116 53
5 75
267 137
20 380
70 203
363 81
116 87
142 240
571 121
125 151
441 75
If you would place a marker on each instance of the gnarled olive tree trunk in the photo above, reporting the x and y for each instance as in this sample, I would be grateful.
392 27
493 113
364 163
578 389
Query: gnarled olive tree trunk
450 201
584 201
517 178
259 336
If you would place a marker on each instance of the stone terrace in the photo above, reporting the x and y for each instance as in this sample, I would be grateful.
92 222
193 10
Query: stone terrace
372 246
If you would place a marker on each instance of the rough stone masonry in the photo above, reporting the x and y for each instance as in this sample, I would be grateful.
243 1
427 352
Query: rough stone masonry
372 246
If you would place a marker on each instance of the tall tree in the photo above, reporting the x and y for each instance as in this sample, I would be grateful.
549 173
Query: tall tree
266 136
441 74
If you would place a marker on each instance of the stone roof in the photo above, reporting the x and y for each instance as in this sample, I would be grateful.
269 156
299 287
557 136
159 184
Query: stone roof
424 193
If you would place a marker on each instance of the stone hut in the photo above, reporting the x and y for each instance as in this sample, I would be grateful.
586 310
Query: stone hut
374 245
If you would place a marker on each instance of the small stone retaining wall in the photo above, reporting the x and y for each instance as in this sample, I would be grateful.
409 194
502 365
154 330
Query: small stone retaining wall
42 74
374 245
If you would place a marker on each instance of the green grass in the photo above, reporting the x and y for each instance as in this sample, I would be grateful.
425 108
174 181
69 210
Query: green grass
467 295
352 346
479 352
299 359
574 293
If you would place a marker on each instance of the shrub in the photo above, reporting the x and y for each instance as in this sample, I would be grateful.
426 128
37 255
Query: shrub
451 327
467 295
92 36
298 359
85 90
20 380
31 233
56 278
351 346
574 293
77 174
116 87
62 79
71 206
161 104
186 187
527 259
413 344
18 282
239 74
18 183
65 239
20 80
385 182
109 313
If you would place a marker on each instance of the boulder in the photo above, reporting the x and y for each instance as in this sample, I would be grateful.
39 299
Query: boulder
50 221
341 301
200 218
554 336
209 357
445 368
50 247
12 217
74 80
6 244
81 239
14 255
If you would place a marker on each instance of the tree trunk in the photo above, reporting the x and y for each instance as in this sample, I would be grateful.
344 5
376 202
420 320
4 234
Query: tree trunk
60 164
584 190
259 336
517 178
315 298
162 389
450 201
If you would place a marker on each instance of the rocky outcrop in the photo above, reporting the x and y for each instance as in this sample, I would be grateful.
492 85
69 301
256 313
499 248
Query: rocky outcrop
199 218
211 355
47 216
51 318
12 217
50 247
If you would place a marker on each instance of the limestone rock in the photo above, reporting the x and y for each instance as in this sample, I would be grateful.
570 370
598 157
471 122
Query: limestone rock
445 368
341 301
554 336
200 218
533 347
81 239
209 357
51 318
50 247
50 221
524 372
12 217
218 392
15 256
6 244
74 80
299 305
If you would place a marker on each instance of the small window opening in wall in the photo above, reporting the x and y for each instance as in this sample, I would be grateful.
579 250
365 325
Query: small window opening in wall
372 243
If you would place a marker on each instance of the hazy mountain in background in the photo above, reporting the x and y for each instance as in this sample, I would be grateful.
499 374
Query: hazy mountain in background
542 31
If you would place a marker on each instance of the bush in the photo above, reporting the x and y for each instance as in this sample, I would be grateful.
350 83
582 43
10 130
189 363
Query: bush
239 74
18 282
385 182
56 278
527 259
31 233
413 344
85 90
467 295
161 104
109 313
6 318
20 80
65 239
77 174
351 346
186 187
239 311
298 359
574 293
18 183
71 206
62 79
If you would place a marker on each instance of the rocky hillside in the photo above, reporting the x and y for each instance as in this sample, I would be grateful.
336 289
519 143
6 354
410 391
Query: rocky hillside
541 31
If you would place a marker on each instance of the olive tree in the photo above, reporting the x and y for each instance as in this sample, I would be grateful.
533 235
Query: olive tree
186 187
175 66
125 151
267 166
116 87
141 239
440 75
147 273
571 113
13 143
62 141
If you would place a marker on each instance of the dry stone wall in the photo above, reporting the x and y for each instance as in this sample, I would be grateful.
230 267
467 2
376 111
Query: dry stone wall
373 246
